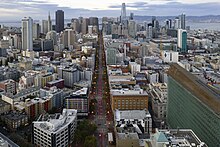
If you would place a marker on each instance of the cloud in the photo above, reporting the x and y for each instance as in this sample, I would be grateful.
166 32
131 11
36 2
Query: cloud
38 9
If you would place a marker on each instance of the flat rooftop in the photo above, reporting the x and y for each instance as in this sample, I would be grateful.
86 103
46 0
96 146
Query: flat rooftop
23 92
52 123
198 88
182 137
131 114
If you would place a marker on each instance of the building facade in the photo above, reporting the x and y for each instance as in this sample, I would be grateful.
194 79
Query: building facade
27 33
58 129
192 104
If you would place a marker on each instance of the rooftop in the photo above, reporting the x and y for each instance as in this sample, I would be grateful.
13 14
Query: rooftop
23 92
181 137
131 114
54 122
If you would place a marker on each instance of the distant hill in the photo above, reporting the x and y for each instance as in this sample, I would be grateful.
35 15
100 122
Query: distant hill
202 19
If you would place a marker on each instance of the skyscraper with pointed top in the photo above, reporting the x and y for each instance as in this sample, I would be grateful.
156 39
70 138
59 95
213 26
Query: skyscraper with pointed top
123 12
49 23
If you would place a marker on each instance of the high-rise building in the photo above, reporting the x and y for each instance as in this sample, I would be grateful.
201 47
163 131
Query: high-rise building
44 26
131 16
193 104
84 26
132 29
55 130
183 21
59 21
111 56
182 40
68 38
94 21
36 30
49 23
27 33
123 12
177 23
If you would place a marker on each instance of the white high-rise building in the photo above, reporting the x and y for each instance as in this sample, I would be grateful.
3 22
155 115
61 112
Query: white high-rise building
27 33
177 23
123 12
55 130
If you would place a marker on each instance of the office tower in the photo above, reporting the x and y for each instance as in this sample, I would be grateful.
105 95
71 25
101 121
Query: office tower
192 104
49 23
36 30
149 30
183 21
44 26
27 33
75 25
111 56
182 40
123 13
154 21
59 21
55 130
84 26
168 24
132 30
131 16
94 21
177 23
68 38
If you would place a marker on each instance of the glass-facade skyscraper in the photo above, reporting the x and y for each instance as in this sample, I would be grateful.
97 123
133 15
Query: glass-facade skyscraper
193 105
59 21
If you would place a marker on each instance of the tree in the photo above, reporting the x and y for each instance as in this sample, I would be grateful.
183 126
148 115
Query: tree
84 129
90 141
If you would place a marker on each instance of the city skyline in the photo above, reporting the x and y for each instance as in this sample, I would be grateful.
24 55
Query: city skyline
39 8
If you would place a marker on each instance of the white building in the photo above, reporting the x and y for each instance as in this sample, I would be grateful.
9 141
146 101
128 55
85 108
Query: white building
170 56
55 130
135 68
159 96
27 33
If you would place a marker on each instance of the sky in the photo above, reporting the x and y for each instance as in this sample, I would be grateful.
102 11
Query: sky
14 10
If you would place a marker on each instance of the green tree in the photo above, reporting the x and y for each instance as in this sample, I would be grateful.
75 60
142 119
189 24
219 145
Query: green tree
90 141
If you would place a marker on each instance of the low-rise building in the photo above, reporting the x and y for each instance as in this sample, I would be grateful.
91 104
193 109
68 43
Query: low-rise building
55 94
176 137
59 83
78 100
21 95
34 107
15 119
131 127
129 99
158 94
4 107
56 129
9 86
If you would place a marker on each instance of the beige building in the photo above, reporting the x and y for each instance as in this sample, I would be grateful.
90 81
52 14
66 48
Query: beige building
126 99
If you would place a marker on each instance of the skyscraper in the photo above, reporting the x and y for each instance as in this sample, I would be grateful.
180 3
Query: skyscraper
44 26
192 104
36 30
177 23
27 33
183 21
182 40
123 12
49 23
59 21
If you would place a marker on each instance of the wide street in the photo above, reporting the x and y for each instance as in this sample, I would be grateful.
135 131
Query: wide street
100 115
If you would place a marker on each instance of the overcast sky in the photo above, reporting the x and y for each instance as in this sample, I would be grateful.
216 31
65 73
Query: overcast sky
38 9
